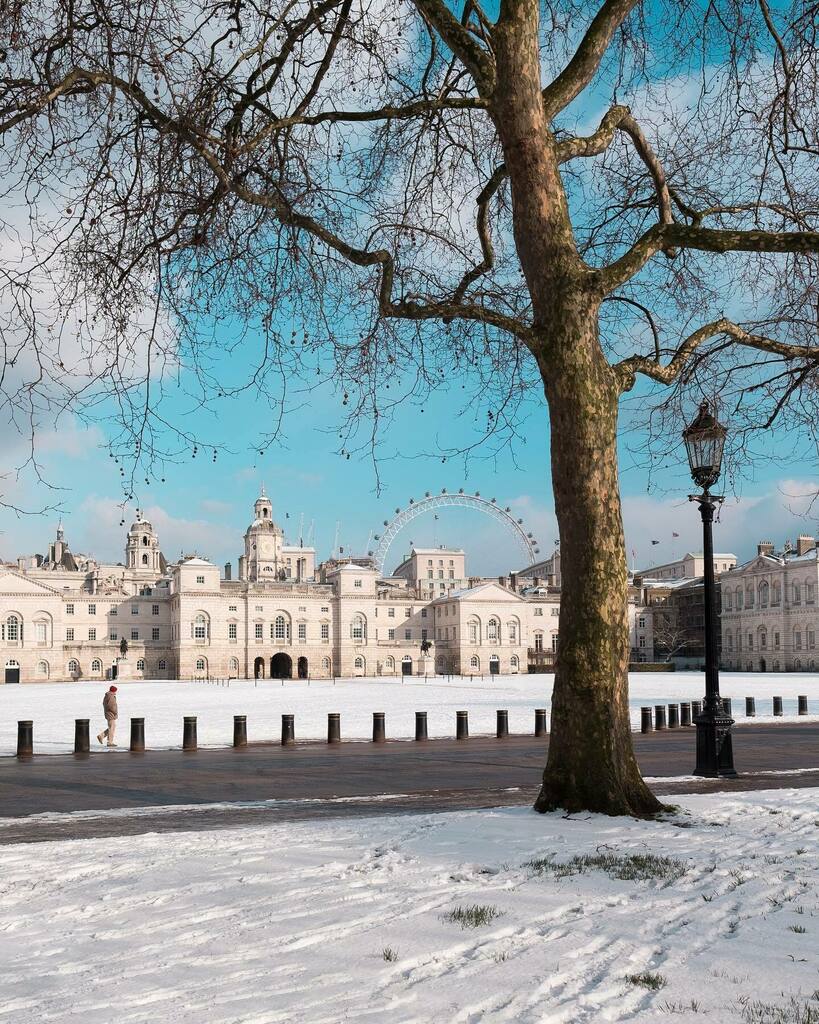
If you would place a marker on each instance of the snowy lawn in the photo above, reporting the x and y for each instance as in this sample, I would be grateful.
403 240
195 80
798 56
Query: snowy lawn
54 706
486 916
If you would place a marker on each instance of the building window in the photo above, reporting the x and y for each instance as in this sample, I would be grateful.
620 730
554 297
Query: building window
423 613
69 609
492 629
408 634
729 642
259 608
554 641
473 632
641 641
200 664
155 632
135 634
763 640
96 666
390 613
538 611
357 628
259 630
809 593
440 574
69 633
538 641
92 634
41 632
763 595
232 631
776 641
407 612
811 638
200 628
475 662
281 628
430 574
200 579
641 622
73 667
512 630
739 600
452 574
797 594
359 663
154 609
162 664
390 634
92 609
357 583
113 611
777 594
797 640
112 635
302 631
325 631
140 664
231 607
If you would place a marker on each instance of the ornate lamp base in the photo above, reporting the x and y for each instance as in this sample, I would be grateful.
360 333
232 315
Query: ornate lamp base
715 753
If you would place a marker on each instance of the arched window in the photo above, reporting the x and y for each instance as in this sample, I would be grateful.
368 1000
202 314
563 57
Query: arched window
389 664
728 600
798 665
474 630
200 664
359 663
475 662
776 593
797 639
749 598
512 631
763 595
200 628
140 664
514 662
42 669
233 666
144 559
358 628
42 630
281 628
73 667
325 665
809 592
14 630
797 594
145 542
493 629
162 664
729 641
763 639
738 596
96 666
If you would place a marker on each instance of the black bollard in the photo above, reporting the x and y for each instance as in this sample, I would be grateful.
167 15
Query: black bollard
462 725
673 716
646 722
540 723
334 728
685 713
25 739
659 717
288 730
803 705
82 740
137 736
379 727
750 707
502 731
240 730
726 706
777 707
696 708
421 726
189 733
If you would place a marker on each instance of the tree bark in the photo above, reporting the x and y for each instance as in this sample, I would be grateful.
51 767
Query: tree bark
591 764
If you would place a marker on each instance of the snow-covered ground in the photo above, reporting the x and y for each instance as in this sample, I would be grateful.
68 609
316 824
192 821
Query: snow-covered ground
349 920
54 706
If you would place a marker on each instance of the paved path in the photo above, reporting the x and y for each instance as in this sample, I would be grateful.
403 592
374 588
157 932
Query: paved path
265 782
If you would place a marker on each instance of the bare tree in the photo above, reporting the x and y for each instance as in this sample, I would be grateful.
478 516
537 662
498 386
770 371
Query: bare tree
671 636
555 197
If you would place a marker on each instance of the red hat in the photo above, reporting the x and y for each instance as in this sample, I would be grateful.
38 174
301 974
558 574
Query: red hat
112 689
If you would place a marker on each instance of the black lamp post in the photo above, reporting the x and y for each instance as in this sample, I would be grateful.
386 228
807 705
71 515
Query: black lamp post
704 441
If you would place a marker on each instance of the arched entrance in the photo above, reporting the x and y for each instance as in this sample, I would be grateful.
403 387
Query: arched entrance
494 665
406 665
12 671
281 666
258 668
302 668
762 665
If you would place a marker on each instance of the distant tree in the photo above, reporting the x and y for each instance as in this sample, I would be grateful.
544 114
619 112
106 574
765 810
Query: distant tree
671 636
556 195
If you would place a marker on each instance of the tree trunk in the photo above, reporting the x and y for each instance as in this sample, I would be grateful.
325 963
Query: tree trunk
591 764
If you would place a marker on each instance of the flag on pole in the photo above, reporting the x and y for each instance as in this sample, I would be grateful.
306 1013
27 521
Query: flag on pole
655 542
675 534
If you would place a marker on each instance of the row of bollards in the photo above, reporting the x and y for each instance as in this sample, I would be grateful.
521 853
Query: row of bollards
679 715
82 738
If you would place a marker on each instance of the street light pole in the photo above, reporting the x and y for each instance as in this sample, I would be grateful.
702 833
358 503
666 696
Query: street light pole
704 440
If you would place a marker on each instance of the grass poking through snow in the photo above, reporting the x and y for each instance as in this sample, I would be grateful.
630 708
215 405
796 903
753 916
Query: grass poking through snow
630 867
647 979
474 916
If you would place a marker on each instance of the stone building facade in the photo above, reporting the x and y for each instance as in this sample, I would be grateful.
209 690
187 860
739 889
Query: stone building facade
770 616
66 616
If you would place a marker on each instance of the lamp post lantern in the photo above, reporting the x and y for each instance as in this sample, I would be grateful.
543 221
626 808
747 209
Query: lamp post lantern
704 441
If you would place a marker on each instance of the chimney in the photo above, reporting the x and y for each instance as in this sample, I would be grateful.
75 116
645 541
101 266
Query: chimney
227 570
765 547
804 544
513 581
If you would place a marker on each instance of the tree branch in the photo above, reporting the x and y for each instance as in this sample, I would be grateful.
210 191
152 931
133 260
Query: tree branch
584 64
628 368
461 41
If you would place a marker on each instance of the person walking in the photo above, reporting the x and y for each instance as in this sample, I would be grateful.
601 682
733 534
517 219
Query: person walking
109 709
